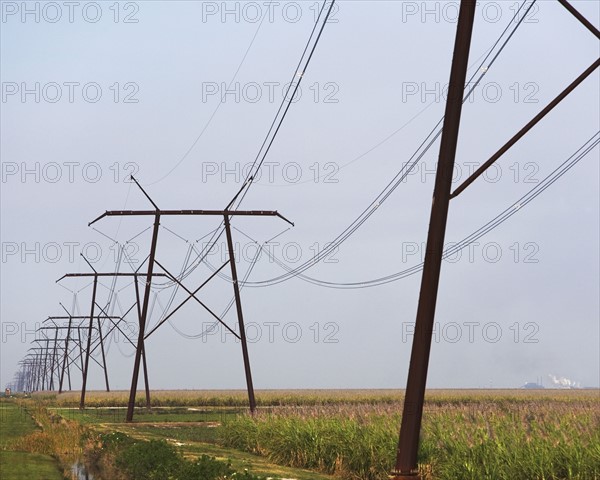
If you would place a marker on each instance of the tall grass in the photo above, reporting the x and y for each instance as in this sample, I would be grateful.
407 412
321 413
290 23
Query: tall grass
60 438
537 440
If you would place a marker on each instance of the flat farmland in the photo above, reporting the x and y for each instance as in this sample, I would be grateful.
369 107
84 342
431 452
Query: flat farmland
352 434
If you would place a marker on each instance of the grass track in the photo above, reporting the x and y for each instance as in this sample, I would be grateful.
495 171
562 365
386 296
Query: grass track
195 438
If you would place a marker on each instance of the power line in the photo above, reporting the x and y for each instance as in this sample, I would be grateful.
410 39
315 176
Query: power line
407 168
300 71
392 185
201 256
563 168
415 158
210 119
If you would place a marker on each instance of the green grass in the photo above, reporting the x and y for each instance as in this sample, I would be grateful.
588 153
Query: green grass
28 466
15 424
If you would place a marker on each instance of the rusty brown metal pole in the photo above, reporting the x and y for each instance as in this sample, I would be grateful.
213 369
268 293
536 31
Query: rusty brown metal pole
62 373
238 305
142 322
103 355
64 365
408 445
144 364
146 384
89 345
54 367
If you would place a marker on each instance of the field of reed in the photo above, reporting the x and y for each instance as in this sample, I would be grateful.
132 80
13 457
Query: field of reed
490 437
353 434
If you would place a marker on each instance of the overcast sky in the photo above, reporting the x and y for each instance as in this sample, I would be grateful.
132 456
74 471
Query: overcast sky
96 91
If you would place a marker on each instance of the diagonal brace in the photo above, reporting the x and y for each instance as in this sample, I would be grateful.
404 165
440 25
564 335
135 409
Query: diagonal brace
521 133
185 301
192 295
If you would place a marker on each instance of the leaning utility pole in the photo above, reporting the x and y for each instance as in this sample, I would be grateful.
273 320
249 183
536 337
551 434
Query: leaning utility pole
406 461
157 213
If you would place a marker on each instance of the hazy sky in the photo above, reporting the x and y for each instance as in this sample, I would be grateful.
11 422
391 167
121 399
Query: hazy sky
92 92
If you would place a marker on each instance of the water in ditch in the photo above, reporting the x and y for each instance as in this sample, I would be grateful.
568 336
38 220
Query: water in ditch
80 472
